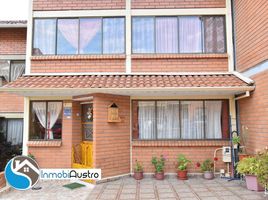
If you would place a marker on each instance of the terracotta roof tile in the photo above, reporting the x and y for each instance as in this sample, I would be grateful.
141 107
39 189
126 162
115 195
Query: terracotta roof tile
127 81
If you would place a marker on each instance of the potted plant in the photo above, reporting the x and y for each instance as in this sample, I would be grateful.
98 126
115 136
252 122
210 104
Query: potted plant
207 168
138 171
182 166
249 168
236 141
159 164
262 171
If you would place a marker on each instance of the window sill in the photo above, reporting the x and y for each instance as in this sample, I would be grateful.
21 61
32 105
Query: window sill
79 57
178 56
55 143
179 143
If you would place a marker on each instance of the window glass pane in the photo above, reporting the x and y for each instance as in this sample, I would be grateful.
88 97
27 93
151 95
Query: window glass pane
90 36
113 35
192 120
146 114
44 36
15 131
213 119
214 34
168 119
38 120
54 120
190 33
17 68
3 128
4 69
166 29
143 35
67 40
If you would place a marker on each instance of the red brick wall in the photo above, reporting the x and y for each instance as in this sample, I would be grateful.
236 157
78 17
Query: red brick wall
2 180
251 19
152 64
77 4
196 151
12 40
178 4
59 157
10 103
111 140
58 64
254 115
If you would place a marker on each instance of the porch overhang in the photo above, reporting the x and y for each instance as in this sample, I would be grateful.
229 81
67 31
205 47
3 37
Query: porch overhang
131 85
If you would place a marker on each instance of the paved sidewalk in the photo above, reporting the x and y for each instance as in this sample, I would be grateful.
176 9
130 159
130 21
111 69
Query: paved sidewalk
150 189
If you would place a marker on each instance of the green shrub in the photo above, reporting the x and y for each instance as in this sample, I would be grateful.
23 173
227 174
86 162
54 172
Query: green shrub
159 163
182 162
248 166
207 166
262 170
138 167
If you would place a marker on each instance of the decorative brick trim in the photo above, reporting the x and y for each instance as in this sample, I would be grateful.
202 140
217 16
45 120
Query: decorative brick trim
185 143
176 56
2 180
44 143
79 57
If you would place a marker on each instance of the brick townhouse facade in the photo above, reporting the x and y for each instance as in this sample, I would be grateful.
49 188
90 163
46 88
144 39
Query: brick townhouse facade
136 79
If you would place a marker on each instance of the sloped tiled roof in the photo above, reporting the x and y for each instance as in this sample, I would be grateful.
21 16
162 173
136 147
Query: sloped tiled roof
127 81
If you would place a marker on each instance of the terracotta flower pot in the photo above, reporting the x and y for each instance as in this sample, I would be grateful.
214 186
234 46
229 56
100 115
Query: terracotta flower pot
182 174
208 175
138 175
252 183
159 175
242 156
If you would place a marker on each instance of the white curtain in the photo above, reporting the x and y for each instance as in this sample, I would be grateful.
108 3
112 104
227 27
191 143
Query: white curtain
168 119
17 69
190 33
143 35
192 120
15 131
39 109
44 36
213 119
69 29
53 112
89 28
146 117
113 35
4 69
166 34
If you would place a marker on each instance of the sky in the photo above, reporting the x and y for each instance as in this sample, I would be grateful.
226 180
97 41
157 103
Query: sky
13 9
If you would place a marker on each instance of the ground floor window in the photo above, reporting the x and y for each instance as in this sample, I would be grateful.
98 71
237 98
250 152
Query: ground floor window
12 129
46 120
180 119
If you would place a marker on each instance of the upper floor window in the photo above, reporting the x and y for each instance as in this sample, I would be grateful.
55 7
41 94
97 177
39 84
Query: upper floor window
79 36
10 70
185 34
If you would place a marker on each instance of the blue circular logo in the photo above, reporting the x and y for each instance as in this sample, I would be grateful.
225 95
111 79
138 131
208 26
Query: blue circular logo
22 172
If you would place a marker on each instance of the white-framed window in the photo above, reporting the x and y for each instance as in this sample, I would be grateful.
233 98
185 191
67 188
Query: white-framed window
10 70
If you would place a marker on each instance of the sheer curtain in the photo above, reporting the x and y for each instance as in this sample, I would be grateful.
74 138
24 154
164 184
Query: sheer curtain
44 36
68 28
17 69
89 28
166 34
168 120
113 35
39 109
190 33
192 120
53 112
15 131
143 35
214 34
4 69
213 119
146 115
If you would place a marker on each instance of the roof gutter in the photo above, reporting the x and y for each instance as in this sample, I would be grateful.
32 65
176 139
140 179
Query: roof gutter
247 94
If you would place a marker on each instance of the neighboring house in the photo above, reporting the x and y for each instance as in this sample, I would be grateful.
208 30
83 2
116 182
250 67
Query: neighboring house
165 67
12 66
251 28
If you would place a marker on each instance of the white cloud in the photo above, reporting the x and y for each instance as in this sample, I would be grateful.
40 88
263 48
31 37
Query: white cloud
14 9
